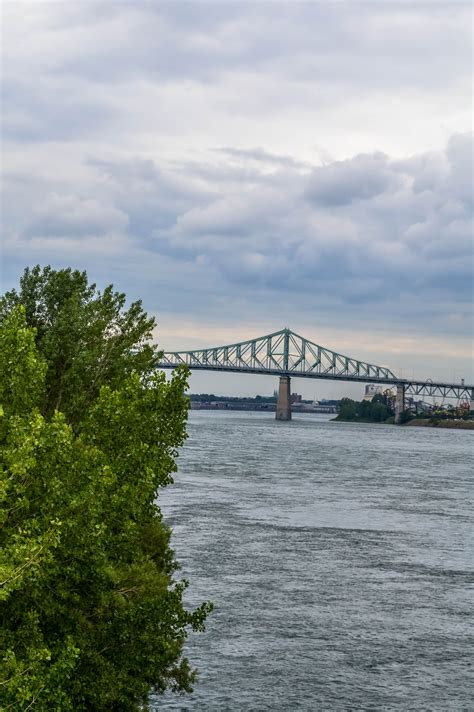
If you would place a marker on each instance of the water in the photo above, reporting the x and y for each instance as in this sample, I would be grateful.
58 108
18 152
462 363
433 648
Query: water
339 558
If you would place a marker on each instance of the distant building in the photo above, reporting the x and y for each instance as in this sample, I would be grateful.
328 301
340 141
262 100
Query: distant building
372 390
296 398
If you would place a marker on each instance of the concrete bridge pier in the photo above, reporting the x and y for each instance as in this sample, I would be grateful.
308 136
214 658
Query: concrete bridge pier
283 409
399 403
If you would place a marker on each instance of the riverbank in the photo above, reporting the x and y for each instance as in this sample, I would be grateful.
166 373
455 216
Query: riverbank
418 422
434 423
338 419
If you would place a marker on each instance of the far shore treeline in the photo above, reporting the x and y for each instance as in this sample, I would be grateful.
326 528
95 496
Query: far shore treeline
377 410
381 410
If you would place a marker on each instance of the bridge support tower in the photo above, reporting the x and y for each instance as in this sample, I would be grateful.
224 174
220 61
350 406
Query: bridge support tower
399 403
283 409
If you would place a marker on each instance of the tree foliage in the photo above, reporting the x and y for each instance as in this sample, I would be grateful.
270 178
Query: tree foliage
87 338
377 410
91 616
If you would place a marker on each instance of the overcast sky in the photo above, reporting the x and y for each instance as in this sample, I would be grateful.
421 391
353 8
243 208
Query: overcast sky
247 166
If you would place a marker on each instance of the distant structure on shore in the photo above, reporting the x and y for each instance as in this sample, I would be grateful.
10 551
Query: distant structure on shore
204 401
372 389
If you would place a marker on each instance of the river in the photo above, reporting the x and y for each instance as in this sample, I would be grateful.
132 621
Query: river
339 557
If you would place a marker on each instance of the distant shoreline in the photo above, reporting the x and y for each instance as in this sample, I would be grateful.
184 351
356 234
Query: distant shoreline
418 422
432 423
260 407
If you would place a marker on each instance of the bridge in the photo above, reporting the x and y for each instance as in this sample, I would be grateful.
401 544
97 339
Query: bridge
286 354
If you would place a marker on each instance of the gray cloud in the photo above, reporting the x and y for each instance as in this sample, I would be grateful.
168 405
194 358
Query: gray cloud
71 216
48 109
175 148
259 155
69 72
349 227
342 182
200 40
387 235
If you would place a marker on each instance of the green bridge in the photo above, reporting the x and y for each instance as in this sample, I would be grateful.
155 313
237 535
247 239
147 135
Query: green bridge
286 354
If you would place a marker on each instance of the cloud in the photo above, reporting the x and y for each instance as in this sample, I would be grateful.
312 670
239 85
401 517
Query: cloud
362 177
362 229
49 109
70 216
203 40
304 162
102 70
260 156
387 235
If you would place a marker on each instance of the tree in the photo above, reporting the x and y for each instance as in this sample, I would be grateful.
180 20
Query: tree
347 409
377 410
87 338
90 614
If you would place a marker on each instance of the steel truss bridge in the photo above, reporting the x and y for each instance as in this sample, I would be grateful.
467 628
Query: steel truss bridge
287 354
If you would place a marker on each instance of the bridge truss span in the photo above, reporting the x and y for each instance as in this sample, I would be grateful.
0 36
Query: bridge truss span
286 354
282 353
438 390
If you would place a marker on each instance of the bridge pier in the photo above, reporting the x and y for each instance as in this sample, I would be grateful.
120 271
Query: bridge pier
283 409
399 403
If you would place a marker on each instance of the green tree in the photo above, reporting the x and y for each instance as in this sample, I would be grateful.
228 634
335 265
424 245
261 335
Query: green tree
347 409
91 616
363 410
87 338
377 410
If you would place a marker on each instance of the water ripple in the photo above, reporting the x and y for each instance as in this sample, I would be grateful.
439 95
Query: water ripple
340 561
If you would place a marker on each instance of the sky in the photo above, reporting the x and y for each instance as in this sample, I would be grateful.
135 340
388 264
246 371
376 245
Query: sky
245 166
